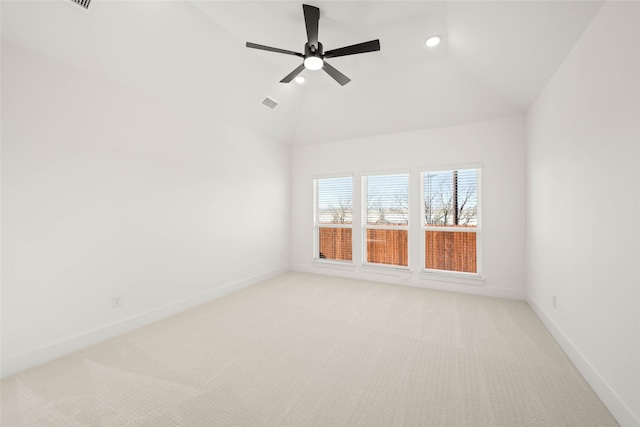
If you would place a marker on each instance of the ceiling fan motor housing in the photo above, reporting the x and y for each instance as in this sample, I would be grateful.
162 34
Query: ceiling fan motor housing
311 50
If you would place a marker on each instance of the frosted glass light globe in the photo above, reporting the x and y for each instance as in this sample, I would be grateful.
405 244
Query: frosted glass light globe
313 63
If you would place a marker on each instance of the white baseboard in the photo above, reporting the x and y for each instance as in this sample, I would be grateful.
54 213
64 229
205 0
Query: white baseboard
44 354
616 406
409 279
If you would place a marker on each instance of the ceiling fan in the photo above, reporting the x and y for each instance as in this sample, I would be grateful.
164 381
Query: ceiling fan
314 55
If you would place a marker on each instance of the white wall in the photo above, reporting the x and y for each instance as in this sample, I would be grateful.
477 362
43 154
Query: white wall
106 191
583 187
497 145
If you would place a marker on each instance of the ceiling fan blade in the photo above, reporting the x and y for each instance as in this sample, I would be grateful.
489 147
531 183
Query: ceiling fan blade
311 18
370 46
293 74
273 49
337 75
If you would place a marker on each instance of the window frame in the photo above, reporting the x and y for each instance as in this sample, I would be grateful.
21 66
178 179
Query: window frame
317 225
364 197
478 229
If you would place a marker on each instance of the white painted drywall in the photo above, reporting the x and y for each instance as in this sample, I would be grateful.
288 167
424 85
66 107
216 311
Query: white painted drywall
109 191
583 188
496 145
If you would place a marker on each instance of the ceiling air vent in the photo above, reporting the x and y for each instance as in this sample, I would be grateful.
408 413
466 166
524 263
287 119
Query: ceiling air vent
270 103
83 3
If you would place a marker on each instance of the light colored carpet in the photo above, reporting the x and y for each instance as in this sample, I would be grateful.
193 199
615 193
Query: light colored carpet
308 350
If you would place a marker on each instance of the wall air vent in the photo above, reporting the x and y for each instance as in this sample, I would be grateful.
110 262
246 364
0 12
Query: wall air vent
270 103
83 3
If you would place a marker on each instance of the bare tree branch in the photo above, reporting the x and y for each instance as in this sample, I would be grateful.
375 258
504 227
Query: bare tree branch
439 204
342 213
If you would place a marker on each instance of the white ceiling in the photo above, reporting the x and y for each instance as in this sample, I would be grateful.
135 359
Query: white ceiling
494 60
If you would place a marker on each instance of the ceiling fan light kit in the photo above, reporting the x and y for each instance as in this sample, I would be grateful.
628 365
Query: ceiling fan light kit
313 63
314 55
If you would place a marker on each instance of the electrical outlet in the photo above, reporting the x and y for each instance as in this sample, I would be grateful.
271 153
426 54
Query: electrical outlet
116 301
553 301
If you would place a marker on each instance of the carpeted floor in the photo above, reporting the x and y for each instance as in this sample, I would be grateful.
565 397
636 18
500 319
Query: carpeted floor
308 350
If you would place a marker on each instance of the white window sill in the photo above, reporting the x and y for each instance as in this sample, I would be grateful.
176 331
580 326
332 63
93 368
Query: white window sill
403 272
451 277
339 265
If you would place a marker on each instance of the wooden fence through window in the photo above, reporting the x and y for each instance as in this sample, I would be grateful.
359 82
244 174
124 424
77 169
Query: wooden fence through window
444 250
335 243
389 247
450 250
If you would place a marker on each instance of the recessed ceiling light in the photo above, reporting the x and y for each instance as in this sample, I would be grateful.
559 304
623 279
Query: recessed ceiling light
300 79
433 41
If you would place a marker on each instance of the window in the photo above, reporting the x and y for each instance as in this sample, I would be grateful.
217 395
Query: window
451 220
333 218
386 219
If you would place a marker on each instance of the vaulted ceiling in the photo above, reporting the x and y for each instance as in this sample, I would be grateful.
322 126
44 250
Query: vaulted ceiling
494 59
